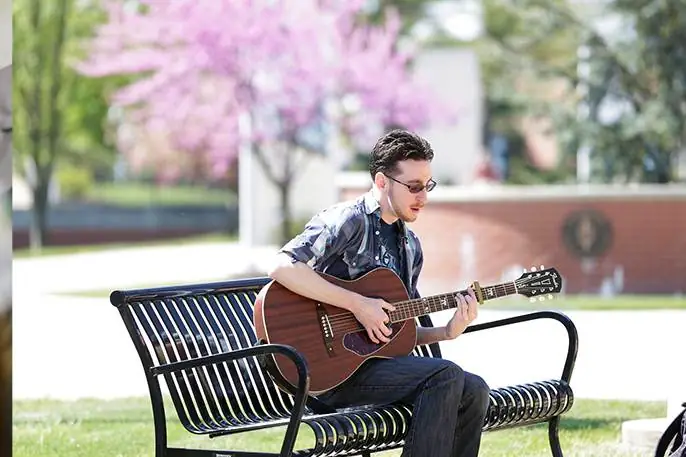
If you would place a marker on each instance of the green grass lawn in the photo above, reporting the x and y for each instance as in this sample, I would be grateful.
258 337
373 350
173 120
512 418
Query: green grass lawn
123 428
142 194
593 303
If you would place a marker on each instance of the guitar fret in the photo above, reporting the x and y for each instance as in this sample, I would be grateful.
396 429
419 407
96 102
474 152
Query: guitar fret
413 308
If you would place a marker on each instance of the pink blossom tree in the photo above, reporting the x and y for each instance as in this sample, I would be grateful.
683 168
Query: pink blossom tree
290 71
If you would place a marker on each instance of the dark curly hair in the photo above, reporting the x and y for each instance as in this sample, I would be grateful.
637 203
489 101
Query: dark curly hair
396 146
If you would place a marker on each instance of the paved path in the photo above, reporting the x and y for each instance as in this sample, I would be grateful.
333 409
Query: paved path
71 347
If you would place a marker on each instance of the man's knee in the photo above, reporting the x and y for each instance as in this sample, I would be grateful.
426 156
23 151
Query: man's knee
452 372
478 389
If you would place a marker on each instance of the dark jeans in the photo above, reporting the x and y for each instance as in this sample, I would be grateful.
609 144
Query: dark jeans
449 404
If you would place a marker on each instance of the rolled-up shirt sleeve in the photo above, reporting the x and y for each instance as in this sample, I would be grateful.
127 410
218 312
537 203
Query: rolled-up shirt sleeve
324 236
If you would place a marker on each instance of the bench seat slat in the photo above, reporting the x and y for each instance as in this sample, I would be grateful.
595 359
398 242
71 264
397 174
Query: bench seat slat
384 427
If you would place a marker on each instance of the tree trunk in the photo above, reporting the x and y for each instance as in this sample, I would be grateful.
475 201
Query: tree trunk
286 217
39 214
45 116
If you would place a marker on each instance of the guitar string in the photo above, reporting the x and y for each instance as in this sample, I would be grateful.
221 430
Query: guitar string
419 306
409 306
348 322
415 306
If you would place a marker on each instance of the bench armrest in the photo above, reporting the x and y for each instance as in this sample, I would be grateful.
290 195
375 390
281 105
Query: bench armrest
572 335
301 392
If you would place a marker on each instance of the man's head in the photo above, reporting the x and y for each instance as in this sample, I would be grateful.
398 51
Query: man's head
400 165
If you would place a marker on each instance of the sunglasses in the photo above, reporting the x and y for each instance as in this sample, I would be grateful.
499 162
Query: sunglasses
416 187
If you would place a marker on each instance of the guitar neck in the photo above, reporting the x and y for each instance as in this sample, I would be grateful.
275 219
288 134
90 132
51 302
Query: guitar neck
426 305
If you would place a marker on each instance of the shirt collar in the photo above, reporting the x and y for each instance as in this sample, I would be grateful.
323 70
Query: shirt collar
371 205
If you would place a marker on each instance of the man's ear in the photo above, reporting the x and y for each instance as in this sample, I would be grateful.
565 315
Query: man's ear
379 180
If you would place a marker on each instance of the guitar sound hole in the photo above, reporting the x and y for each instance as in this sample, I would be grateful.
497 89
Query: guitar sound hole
360 344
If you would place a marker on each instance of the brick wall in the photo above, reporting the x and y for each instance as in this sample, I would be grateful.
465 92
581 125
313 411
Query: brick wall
490 234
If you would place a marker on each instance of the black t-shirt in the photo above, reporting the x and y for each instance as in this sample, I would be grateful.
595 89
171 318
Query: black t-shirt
391 256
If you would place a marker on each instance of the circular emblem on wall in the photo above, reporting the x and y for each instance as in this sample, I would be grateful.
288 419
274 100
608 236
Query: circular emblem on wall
587 233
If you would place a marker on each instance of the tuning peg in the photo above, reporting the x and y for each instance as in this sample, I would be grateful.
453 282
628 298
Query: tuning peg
541 298
550 296
532 299
542 267
524 270
533 268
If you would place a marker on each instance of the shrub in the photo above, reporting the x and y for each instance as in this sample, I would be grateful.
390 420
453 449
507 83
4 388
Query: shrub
74 183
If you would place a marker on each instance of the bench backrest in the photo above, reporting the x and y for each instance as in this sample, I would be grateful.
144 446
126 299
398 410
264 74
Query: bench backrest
173 324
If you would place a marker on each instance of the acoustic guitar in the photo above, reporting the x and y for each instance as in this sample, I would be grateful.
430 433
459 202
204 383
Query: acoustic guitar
335 344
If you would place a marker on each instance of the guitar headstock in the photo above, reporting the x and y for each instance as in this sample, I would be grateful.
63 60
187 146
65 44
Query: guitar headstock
539 284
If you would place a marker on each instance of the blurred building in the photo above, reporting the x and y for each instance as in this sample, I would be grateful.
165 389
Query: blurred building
453 74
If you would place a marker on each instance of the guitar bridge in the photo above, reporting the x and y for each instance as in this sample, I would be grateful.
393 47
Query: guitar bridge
327 331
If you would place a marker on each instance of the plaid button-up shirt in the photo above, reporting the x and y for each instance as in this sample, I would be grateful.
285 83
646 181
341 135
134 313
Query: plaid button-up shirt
344 241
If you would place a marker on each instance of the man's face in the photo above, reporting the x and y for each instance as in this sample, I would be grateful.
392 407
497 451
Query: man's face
412 173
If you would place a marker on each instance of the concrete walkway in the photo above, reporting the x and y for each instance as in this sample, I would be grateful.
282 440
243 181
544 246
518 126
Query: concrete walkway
73 347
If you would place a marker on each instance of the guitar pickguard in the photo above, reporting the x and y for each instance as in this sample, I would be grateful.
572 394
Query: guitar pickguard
360 344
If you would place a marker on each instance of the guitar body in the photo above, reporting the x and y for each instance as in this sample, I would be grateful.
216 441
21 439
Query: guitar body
332 342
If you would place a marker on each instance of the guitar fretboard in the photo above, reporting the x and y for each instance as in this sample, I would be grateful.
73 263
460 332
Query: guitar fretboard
426 305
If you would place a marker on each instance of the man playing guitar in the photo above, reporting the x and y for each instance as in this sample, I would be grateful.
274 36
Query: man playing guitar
352 238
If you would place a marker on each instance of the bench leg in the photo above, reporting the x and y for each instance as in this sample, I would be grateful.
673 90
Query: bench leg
553 437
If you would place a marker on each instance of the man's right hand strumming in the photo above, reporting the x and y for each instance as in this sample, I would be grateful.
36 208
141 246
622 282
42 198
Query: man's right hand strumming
371 313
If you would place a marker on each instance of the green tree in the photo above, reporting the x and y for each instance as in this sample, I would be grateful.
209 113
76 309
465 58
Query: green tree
524 48
645 72
411 11
58 114
626 88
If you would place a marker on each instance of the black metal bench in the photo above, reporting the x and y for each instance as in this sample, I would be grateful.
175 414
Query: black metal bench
200 340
